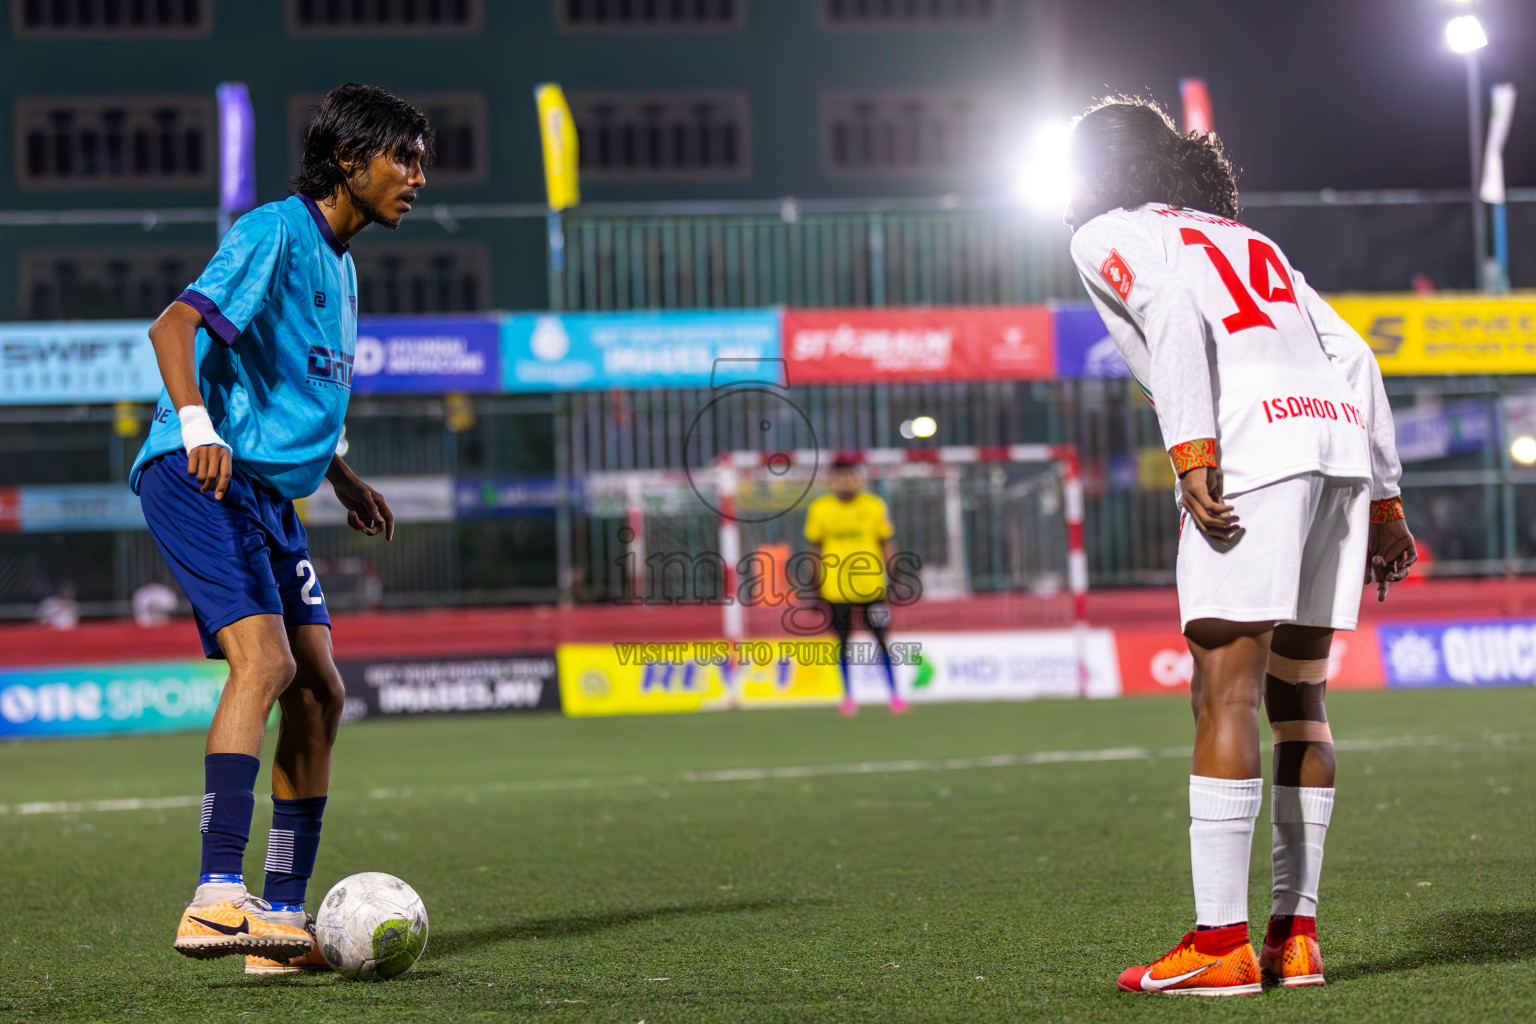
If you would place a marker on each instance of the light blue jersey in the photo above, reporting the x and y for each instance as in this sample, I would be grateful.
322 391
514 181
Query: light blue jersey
274 353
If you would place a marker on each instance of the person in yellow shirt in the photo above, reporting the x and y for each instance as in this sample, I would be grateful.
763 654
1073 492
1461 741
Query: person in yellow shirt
850 532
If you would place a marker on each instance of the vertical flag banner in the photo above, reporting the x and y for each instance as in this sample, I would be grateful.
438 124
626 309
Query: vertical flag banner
558 132
1197 105
1500 116
237 148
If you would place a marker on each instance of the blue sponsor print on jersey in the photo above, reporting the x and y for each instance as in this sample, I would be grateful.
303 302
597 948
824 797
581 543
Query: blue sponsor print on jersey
327 366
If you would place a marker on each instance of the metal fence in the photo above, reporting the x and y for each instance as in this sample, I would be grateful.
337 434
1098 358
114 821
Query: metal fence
793 257
1472 506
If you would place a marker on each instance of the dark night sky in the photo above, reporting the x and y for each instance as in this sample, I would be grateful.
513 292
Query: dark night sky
1312 93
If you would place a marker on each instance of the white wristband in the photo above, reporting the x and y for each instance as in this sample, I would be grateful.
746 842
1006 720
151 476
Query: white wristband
197 429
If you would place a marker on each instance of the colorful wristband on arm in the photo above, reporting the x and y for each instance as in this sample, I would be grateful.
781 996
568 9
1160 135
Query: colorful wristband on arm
1193 454
1387 510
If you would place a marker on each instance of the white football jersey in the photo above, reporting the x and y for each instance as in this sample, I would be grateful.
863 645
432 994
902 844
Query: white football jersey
1229 342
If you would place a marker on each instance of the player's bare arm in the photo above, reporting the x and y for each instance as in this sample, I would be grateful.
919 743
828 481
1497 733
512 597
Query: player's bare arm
1391 548
367 511
174 335
1201 496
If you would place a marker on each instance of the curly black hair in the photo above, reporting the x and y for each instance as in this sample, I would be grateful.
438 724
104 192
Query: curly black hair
1130 154
359 121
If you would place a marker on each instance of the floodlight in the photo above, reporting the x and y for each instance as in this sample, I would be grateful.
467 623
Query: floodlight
1523 450
924 426
1043 179
1465 34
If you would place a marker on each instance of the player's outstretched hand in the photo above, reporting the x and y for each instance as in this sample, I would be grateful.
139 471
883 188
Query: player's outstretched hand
367 511
1392 554
1200 489
210 464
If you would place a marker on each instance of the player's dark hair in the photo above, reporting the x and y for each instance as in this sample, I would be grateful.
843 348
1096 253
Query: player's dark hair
358 121
1130 154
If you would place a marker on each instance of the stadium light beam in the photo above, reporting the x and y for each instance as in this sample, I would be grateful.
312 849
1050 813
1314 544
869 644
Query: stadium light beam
1043 177
1465 34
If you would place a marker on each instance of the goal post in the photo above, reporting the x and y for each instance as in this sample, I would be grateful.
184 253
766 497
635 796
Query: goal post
996 530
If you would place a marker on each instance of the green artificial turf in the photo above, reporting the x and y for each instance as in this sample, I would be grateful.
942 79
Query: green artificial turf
594 870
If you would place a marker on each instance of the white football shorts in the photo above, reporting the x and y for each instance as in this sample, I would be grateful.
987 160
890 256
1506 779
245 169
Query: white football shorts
1300 558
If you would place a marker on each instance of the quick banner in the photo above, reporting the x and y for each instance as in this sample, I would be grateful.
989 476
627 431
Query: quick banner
1468 653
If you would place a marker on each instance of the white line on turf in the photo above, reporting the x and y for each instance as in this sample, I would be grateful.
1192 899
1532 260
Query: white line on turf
1503 741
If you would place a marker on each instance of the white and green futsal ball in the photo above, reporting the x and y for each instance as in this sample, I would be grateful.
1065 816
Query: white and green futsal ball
371 927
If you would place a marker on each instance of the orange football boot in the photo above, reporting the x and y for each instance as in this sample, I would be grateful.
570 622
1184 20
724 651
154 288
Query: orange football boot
1291 956
1215 962
309 963
224 919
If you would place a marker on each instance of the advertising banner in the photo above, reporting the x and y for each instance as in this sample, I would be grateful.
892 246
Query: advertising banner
415 355
617 679
100 700
594 351
828 346
1083 345
56 363
412 499
1492 652
72 507
1431 334
427 686
1158 661
1457 427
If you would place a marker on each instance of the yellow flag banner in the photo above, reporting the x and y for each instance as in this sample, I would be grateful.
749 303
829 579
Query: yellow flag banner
1435 334
558 132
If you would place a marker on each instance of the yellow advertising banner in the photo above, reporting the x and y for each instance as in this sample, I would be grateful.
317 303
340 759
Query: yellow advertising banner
1435 334
558 133
669 678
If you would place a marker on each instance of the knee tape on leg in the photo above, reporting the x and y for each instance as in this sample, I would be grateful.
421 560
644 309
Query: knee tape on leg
1301 732
1289 670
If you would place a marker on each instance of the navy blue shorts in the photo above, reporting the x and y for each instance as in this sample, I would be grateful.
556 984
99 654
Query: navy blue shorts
245 555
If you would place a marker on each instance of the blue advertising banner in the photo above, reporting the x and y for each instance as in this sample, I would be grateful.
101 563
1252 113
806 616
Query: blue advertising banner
99 700
55 363
592 351
1083 345
69 507
1492 652
412 355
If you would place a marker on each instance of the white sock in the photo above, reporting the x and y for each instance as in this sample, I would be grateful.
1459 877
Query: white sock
1222 813
1299 818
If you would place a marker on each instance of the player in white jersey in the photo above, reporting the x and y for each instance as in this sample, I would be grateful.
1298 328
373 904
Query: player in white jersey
1273 411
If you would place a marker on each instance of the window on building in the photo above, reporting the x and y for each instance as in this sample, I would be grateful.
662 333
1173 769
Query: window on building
383 17
460 119
913 14
907 133
81 142
649 15
106 284
632 136
420 277
139 19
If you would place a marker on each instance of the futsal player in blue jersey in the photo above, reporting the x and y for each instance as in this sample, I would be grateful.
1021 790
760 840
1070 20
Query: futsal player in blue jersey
256 356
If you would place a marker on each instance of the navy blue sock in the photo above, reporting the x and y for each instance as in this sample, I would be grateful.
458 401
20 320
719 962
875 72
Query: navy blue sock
842 669
291 850
229 798
890 673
